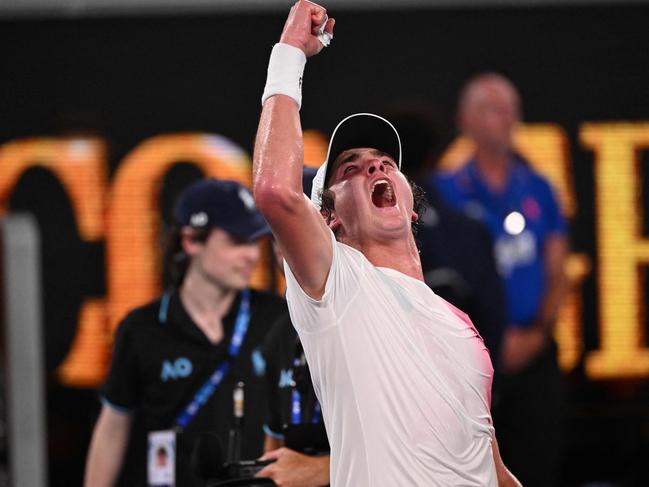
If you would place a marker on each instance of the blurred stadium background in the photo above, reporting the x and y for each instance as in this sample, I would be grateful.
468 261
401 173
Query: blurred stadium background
108 108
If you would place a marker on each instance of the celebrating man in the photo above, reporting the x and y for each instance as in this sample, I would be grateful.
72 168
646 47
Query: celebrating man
403 378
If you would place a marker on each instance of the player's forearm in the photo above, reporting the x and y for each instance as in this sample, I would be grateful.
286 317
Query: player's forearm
278 156
504 476
279 151
507 479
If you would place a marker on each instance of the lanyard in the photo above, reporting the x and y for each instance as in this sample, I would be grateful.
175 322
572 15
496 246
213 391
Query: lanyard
296 409
296 406
214 381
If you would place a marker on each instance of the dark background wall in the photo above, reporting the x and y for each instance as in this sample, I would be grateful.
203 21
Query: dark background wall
127 79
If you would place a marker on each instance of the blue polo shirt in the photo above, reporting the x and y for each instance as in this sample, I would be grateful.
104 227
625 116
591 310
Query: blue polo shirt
519 245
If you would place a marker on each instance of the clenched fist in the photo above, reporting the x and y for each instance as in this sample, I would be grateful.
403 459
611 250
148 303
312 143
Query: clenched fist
301 27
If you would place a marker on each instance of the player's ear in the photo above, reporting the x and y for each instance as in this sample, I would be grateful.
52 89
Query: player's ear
331 219
334 223
414 216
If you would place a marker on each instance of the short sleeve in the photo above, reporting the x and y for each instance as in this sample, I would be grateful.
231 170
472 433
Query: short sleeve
120 391
310 315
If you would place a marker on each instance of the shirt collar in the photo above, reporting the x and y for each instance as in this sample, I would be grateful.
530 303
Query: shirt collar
179 318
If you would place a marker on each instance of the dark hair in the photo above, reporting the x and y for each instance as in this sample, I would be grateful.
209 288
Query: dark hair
176 261
418 197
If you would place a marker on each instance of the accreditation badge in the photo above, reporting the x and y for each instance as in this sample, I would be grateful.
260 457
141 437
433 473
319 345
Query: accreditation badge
161 459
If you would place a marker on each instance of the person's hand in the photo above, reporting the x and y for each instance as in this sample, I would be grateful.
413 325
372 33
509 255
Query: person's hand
301 27
520 347
293 469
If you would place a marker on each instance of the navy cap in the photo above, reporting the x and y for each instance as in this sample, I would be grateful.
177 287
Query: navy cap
227 205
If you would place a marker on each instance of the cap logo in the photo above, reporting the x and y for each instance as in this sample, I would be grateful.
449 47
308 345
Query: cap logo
247 199
198 219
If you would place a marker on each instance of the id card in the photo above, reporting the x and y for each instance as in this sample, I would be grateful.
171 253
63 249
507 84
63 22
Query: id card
161 459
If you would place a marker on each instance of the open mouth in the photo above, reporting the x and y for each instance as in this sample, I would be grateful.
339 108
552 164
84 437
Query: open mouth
383 194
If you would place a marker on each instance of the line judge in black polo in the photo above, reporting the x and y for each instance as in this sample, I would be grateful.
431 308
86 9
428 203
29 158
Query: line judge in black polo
177 360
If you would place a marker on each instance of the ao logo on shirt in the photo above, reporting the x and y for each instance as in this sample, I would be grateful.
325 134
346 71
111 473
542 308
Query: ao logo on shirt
178 369
286 378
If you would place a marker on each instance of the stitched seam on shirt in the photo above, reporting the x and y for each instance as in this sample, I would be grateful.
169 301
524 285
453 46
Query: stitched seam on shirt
330 302
325 299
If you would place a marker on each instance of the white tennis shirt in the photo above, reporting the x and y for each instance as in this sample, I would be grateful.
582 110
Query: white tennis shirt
403 378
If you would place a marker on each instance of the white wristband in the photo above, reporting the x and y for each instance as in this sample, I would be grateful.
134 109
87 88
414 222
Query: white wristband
285 70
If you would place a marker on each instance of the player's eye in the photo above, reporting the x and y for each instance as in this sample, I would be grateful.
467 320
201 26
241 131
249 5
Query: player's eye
349 169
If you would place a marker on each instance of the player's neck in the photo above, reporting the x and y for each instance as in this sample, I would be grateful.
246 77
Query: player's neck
400 254
494 166
207 303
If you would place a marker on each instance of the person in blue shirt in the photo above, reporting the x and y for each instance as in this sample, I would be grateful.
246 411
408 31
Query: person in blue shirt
499 188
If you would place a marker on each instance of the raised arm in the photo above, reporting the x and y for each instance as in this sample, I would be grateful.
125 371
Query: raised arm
300 230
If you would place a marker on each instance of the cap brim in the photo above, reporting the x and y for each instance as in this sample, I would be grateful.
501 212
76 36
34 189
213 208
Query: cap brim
250 230
262 232
356 131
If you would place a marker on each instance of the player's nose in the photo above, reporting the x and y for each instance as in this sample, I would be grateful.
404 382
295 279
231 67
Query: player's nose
374 165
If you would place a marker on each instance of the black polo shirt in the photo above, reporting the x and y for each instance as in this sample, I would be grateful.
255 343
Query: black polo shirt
281 348
160 363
